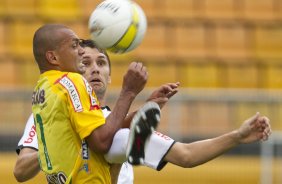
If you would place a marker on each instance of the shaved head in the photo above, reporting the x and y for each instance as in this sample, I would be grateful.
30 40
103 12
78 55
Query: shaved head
56 47
46 38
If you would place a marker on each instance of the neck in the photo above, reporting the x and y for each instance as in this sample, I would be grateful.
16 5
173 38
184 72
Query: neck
102 99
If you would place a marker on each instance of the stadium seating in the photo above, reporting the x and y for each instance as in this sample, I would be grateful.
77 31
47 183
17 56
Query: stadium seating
161 73
180 9
231 41
58 11
268 43
242 75
154 9
199 74
273 76
8 74
190 40
155 43
220 10
87 6
20 35
18 8
259 10
185 30
2 38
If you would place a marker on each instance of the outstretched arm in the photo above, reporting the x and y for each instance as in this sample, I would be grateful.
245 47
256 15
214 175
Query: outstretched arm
190 155
27 165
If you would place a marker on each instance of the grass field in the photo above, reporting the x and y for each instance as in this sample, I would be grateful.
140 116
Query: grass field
223 170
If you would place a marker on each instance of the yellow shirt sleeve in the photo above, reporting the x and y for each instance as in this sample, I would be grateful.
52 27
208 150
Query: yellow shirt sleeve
85 112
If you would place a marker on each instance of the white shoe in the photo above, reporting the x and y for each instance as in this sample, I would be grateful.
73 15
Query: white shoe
142 126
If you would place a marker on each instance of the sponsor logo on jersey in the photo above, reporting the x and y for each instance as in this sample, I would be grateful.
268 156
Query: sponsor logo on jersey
85 156
56 178
93 101
38 97
73 93
162 135
31 134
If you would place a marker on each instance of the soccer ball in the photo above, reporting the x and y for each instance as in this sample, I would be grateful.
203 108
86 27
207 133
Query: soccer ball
118 25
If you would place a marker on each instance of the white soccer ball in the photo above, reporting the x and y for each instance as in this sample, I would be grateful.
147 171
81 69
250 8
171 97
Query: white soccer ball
118 25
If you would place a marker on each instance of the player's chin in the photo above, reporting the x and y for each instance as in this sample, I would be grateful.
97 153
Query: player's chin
96 85
98 88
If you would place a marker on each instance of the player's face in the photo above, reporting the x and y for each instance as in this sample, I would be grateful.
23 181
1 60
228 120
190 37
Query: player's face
69 53
97 70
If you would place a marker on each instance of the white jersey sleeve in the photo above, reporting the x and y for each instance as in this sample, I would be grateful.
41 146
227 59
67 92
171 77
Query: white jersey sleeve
156 149
29 138
126 174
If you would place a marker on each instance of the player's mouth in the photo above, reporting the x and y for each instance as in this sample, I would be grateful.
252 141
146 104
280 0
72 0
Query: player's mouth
96 81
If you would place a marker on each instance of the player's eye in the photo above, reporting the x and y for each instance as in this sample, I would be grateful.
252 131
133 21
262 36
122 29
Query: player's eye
75 44
86 62
101 62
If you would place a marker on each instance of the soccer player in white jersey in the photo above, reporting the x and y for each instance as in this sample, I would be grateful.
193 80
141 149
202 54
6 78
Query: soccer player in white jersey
184 155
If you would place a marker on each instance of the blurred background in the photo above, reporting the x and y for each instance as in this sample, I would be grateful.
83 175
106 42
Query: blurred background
227 54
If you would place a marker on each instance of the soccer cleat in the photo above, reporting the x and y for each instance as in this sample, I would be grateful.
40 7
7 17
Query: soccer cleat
142 126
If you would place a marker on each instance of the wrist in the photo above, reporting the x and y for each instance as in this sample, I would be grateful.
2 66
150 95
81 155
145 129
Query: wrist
236 136
129 95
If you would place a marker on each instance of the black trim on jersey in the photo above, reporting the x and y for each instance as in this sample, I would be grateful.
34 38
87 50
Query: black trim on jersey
20 147
106 107
163 163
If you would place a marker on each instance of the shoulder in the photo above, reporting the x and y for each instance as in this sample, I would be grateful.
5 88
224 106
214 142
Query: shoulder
72 82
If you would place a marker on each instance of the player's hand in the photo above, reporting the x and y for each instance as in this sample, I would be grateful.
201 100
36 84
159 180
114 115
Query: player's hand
162 94
254 129
135 78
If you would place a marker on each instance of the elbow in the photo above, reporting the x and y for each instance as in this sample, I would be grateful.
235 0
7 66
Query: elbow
101 146
99 142
19 177
187 164
186 160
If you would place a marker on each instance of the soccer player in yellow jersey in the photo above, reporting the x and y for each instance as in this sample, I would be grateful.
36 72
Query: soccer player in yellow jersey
66 110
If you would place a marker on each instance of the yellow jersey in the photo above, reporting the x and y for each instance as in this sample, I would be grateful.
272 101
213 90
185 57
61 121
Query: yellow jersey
66 111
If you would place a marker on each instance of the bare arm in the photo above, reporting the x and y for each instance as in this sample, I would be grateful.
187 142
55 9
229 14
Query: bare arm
114 170
161 96
190 155
27 165
133 82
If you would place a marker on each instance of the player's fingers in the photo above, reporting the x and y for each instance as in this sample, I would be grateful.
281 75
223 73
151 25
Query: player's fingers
265 136
268 130
173 85
170 94
254 118
140 67
133 65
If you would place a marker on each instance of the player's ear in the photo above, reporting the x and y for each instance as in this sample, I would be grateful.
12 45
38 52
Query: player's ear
51 57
